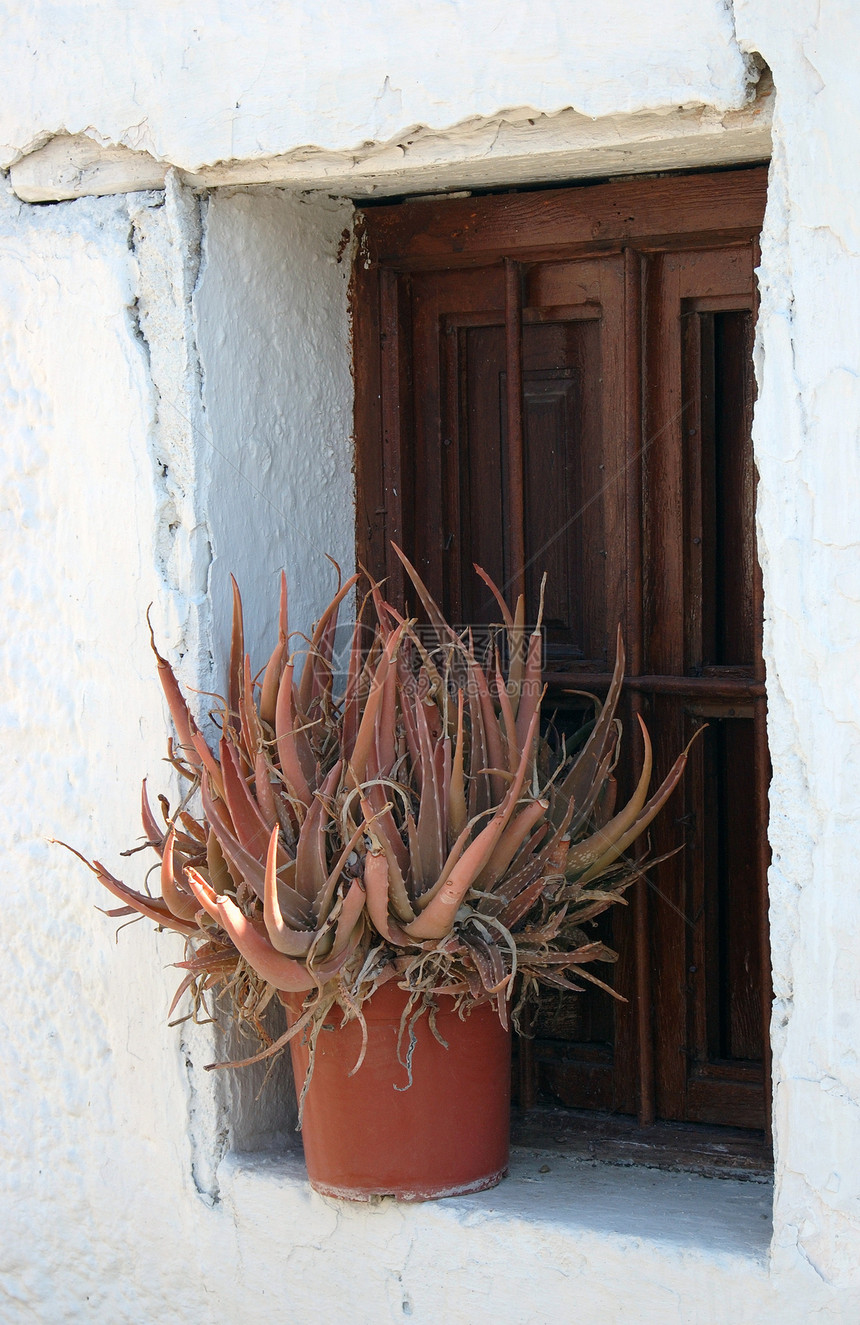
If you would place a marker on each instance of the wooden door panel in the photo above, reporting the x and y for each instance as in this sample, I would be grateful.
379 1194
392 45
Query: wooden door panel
566 520
725 1017
574 471
550 285
440 303
724 273
718 351
480 411
699 498
578 531
663 475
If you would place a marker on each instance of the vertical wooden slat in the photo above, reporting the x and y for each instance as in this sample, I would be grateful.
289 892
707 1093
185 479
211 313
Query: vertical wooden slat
604 466
664 470
697 441
633 427
392 423
633 431
663 649
696 457
454 461
370 512
762 786
515 461
516 545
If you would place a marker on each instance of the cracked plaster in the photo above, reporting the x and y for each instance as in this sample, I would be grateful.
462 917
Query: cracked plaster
264 78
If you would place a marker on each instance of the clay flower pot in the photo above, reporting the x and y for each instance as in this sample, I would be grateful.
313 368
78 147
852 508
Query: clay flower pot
375 1134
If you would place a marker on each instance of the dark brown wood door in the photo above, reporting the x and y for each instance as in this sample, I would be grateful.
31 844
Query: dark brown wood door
562 382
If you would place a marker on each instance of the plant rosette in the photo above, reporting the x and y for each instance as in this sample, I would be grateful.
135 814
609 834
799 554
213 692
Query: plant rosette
416 826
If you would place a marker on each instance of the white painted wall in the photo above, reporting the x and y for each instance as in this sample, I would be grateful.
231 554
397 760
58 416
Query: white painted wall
89 1083
196 83
138 460
173 411
807 440
273 335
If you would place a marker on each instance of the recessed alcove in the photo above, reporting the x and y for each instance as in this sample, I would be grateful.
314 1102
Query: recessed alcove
271 318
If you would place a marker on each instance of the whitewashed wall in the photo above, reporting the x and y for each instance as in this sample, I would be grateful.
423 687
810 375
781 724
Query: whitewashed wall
199 83
174 411
807 439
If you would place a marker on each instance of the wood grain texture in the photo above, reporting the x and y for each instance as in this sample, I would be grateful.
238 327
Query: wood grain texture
646 212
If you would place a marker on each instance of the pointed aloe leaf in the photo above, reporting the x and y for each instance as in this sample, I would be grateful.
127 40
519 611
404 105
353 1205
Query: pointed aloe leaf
182 720
283 938
508 719
151 907
263 791
376 881
320 640
250 938
578 781
272 675
311 868
237 654
434 613
293 750
531 690
431 846
585 807
365 737
151 826
438 917
654 805
479 783
518 908
516 833
585 854
497 594
457 813
249 824
492 733
180 903
244 866
349 918
351 699
517 650
252 734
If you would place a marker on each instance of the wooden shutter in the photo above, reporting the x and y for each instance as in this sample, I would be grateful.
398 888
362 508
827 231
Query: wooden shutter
562 381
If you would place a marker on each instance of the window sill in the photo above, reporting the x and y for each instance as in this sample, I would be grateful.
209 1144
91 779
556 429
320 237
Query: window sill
633 1238
714 1152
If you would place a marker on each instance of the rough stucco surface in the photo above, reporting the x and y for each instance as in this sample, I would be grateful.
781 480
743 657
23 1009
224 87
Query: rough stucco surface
271 308
127 480
199 83
807 439
175 380
89 1080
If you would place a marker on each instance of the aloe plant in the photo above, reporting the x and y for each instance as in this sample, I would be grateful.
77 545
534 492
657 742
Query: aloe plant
417 826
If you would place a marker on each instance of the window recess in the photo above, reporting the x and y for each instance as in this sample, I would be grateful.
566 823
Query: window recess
561 381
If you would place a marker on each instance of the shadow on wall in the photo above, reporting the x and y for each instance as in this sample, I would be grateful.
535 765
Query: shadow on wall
260 1100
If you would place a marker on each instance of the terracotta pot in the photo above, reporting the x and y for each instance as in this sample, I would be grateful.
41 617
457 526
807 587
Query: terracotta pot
374 1134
